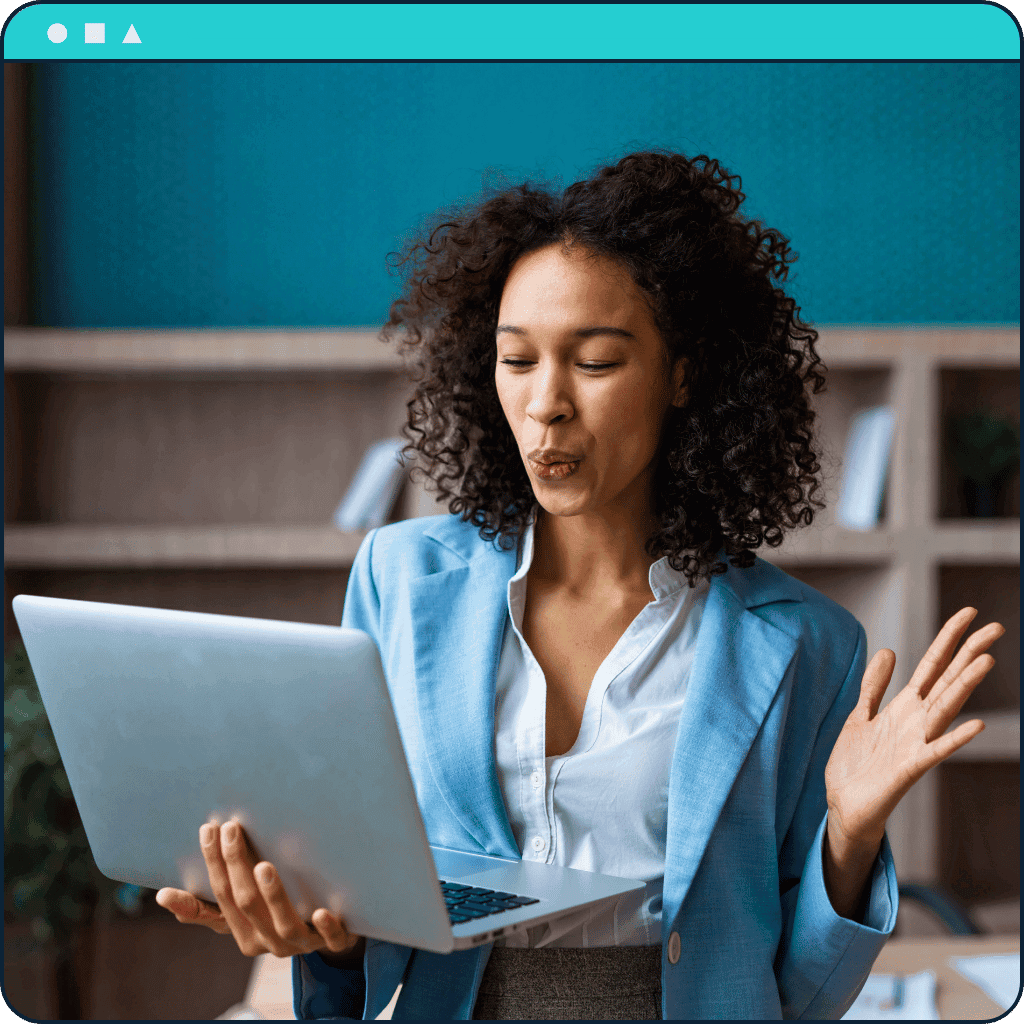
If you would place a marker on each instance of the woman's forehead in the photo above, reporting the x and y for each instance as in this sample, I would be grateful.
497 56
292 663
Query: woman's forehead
550 285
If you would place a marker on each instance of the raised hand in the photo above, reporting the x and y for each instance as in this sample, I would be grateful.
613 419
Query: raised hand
251 902
879 755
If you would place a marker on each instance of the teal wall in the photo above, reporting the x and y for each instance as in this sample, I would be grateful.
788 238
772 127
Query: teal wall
270 194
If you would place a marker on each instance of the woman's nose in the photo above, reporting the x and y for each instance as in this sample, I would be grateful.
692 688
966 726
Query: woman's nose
550 397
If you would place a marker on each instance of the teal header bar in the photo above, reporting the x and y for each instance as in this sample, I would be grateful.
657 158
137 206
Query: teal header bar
513 32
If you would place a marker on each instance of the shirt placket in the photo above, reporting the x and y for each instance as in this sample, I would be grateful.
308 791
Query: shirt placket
530 743
530 734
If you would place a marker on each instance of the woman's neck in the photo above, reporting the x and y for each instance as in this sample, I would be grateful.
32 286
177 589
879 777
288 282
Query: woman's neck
589 553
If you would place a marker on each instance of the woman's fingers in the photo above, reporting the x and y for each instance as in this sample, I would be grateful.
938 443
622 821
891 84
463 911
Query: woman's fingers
241 927
287 923
976 644
953 741
947 706
260 895
253 903
240 862
876 680
333 931
189 909
939 653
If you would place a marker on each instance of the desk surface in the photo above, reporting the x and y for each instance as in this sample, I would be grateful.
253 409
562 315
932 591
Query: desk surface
956 997
270 990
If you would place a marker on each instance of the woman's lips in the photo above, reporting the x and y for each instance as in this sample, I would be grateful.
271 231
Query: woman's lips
554 470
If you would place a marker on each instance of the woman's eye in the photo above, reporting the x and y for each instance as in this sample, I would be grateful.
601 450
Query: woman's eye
518 363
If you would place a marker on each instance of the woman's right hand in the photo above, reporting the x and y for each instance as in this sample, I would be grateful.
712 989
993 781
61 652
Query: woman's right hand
252 903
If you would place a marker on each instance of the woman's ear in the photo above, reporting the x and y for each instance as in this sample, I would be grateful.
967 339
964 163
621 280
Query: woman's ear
680 390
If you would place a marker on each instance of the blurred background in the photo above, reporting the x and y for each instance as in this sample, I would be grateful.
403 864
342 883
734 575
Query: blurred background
195 269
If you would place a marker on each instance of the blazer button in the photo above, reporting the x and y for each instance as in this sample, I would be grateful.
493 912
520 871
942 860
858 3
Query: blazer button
673 948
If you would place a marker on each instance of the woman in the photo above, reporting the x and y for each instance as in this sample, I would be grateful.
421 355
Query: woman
589 665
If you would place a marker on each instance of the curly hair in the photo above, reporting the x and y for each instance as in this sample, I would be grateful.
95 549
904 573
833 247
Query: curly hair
734 467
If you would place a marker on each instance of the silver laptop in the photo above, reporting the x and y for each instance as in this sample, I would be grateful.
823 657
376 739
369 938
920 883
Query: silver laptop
166 719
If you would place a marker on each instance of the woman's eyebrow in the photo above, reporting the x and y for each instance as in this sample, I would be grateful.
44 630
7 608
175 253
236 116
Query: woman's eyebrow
583 332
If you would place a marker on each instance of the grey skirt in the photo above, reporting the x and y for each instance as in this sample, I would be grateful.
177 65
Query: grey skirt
603 983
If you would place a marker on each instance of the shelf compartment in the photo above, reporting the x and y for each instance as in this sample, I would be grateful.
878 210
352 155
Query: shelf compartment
979 830
995 591
52 546
959 388
52 350
138 451
313 595
849 391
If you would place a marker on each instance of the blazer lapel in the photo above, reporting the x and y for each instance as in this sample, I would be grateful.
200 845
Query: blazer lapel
739 663
460 619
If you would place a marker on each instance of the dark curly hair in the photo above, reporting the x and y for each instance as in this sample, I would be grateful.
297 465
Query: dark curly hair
737 465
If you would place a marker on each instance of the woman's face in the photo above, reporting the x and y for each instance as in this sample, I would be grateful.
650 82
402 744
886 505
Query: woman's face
584 380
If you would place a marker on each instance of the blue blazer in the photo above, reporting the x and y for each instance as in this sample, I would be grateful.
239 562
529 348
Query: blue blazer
777 669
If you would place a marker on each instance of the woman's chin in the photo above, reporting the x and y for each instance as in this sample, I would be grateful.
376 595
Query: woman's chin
562 504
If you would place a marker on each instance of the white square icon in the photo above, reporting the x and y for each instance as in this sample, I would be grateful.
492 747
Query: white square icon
95 31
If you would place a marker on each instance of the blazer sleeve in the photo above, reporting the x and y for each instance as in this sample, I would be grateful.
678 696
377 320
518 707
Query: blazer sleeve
321 992
824 959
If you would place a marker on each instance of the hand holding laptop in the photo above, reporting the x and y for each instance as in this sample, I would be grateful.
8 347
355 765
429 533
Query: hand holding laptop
252 903
297 742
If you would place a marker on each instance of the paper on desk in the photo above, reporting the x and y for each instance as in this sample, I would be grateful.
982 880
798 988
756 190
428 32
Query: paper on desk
997 975
896 997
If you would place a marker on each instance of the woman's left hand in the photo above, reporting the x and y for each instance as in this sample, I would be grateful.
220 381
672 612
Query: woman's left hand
879 755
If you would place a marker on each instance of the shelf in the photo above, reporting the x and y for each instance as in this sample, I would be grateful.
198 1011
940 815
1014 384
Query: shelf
50 350
976 540
72 350
814 545
845 345
1000 740
53 545
47 546
58 545
995 541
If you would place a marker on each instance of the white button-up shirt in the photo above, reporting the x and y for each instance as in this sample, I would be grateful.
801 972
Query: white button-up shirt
601 806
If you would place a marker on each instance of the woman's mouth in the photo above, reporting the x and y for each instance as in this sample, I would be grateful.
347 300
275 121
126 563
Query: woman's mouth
554 470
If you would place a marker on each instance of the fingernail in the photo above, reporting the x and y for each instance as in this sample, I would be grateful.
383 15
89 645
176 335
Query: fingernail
206 834
264 873
230 831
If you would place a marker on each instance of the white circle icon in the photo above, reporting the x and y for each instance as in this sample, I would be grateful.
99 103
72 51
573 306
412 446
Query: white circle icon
57 33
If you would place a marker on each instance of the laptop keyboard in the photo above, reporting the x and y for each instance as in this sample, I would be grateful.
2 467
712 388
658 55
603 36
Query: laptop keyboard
464 902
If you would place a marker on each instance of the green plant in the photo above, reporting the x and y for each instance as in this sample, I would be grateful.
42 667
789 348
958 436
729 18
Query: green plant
50 877
984 447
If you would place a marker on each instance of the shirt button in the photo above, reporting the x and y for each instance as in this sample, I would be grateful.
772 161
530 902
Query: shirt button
673 948
537 779
538 843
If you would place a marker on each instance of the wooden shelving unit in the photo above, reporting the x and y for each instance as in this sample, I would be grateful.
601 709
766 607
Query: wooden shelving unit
926 560
200 468
194 469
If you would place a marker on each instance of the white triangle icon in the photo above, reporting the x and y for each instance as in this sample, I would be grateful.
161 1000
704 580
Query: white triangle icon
132 36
